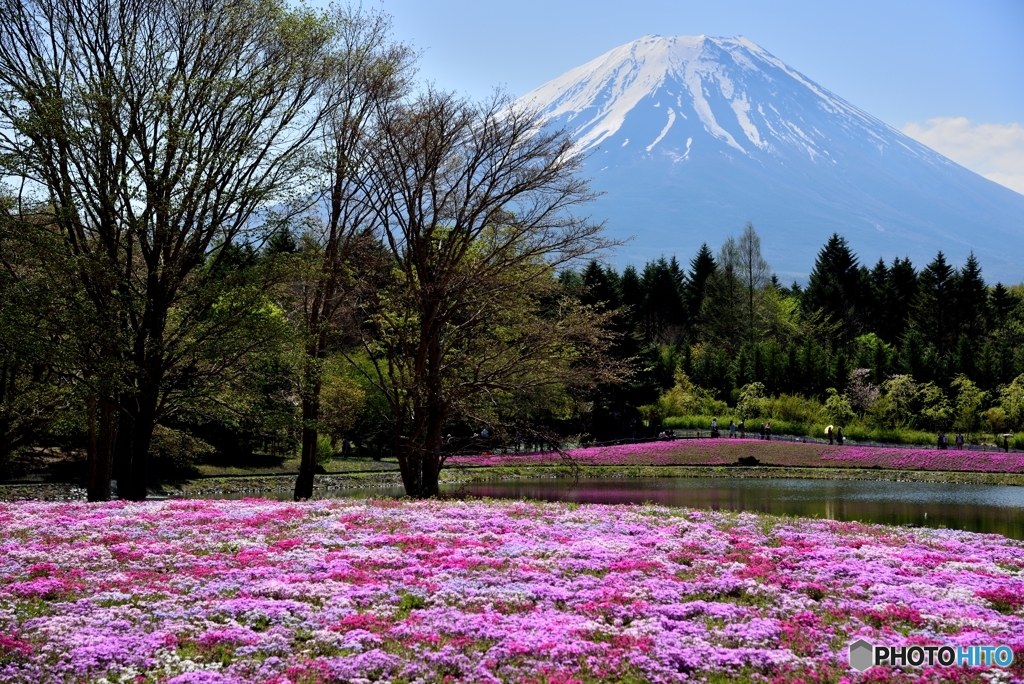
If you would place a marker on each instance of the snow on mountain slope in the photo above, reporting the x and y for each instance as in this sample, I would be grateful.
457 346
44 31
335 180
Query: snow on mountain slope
691 137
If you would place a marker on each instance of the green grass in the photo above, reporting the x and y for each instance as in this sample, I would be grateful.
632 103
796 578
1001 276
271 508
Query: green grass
290 465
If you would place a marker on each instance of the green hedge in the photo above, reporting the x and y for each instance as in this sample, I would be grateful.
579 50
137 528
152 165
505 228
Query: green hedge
779 427
859 433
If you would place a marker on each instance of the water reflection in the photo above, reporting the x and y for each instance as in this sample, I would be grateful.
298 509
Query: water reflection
977 508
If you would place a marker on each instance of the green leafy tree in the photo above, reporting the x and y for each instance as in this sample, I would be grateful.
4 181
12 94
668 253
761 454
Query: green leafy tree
968 405
687 399
1011 400
34 366
936 412
900 402
751 400
838 409
157 132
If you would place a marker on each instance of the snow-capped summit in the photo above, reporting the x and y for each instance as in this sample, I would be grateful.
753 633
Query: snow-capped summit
693 136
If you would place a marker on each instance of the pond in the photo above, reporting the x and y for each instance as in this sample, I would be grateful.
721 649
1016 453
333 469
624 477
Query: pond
976 508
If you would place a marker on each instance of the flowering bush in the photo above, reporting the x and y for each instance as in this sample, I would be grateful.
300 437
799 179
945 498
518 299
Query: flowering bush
725 451
212 591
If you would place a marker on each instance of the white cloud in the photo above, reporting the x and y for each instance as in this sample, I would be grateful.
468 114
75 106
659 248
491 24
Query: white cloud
996 151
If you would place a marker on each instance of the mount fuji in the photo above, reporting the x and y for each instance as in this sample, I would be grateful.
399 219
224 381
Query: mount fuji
692 137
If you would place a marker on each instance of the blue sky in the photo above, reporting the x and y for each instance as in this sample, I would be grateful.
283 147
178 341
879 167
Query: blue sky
948 73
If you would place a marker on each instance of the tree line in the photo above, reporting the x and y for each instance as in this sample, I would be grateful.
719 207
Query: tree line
729 325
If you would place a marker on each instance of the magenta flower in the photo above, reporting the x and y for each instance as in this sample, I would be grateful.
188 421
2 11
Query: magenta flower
204 592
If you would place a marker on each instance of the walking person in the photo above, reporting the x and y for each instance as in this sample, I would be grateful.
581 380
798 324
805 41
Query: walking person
762 431
959 441
743 428
768 430
714 427
828 431
732 429
839 436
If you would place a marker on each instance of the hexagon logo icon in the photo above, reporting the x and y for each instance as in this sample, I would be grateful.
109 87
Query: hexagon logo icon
860 655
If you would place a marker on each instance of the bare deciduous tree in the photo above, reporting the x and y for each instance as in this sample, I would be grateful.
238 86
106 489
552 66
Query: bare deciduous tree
475 203
754 273
373 72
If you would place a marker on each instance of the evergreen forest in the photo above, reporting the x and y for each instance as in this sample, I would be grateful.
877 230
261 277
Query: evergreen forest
897 351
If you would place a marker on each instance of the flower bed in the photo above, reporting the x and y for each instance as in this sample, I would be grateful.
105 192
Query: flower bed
255 591
726 451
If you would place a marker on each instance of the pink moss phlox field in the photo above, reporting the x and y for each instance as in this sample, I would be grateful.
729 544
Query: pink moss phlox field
330 591
724 451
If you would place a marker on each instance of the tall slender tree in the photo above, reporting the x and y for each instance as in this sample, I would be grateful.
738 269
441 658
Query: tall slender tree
662 283
602 286
971 309
896 304
372 72
932 314
754 274
702 267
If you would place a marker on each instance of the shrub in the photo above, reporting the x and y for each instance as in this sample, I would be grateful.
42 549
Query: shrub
1011 400
899 403
751 401
838 409
324 449
175 450
685 399
793 408
995 420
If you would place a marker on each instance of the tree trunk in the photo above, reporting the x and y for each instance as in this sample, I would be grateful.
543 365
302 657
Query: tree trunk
420 469
131 453
310 435
102 437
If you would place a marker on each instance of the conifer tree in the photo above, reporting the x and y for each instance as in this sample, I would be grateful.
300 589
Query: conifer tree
632 295
934 303
702 267
662 300
834 285
877 282
898 300
971 300
601 286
